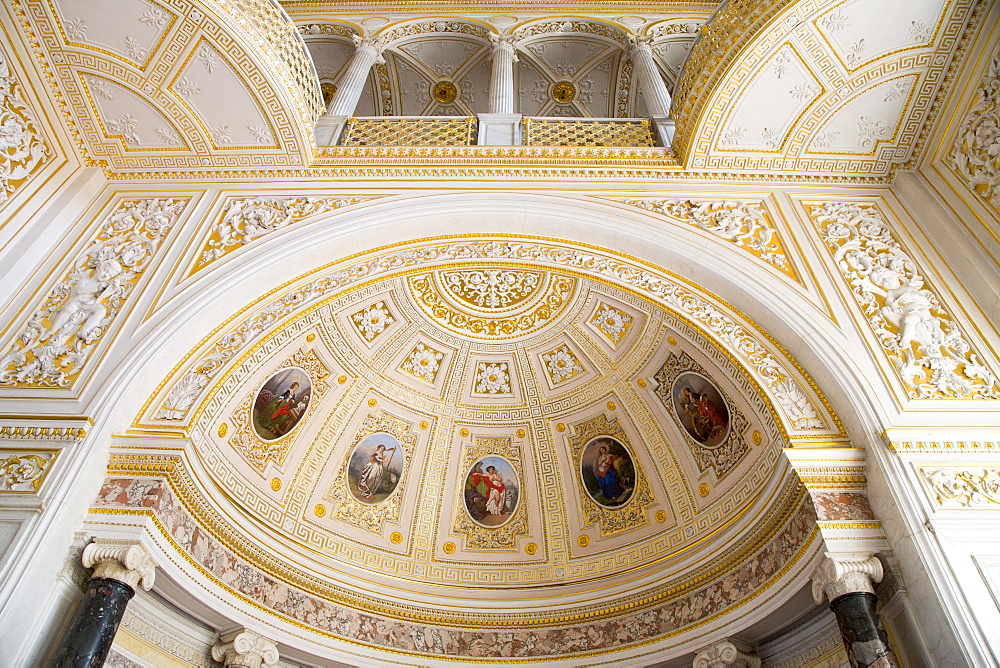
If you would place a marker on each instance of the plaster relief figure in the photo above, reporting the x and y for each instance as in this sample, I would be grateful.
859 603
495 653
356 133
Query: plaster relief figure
607 471
700 408
375 468
281 403
491 491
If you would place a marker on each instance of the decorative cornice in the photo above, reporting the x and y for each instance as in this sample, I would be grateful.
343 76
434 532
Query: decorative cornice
121 560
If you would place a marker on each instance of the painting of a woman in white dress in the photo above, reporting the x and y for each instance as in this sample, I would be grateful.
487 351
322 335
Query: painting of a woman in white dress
375 468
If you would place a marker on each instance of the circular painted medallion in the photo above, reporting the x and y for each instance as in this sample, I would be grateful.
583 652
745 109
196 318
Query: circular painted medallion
281 403
701 409
375 468
492 491
607 471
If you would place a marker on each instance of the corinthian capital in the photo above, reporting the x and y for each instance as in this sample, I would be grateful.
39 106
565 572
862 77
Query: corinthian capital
121 560
374 42
728 653
245 649
638 43
845 573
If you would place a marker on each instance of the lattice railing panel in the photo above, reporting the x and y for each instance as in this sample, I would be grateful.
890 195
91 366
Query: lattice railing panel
604 132
411 132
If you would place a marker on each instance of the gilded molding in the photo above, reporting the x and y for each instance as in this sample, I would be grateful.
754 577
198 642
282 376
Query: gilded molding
977 151
972 487
53 346
22 148
33 433
929 351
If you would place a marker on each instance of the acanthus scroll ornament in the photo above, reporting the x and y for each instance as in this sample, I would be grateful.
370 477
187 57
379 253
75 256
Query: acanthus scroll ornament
932 357
977 149
964 488
247 219
53 346
742 223
24 472
22 149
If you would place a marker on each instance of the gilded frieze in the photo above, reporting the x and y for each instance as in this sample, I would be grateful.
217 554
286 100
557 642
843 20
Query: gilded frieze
367 490
929 351
744 224
264 422
975 155
24 471
612 488
492 512
962 487
244 220
22 148
53 346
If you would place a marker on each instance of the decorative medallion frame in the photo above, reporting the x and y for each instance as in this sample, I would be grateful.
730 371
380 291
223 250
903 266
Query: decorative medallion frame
502 537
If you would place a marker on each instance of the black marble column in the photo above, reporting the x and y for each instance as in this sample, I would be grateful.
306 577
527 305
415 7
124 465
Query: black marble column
864 636
88 639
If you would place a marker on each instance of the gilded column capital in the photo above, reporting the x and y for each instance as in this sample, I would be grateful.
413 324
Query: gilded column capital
845 573
122 560
728 653
639 43
245 649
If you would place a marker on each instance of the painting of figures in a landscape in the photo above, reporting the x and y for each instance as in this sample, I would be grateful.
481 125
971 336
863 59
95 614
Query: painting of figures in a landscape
281 403
492 491
375 468
701 409
608 471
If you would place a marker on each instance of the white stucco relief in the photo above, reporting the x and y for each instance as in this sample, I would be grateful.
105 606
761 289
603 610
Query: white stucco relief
52 347
931 355
977 151
22 149
799 410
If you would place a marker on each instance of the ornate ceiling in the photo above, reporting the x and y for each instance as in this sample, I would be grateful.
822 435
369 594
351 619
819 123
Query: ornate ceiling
822 89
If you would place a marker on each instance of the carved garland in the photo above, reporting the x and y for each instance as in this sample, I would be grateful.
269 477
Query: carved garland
53 346
22 149
977 150
796 406
931 355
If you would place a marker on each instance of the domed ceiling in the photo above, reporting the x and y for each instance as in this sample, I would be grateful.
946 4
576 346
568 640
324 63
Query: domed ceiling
572 435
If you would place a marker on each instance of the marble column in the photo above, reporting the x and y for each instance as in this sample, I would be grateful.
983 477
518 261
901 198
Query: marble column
847 579
728 653
501 126
245 649
653 87
349 86
118 567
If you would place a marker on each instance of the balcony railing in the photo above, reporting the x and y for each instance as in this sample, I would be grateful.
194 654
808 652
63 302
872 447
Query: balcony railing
410 131
439 131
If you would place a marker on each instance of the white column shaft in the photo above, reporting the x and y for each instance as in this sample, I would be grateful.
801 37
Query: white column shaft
351 82
653 88
502 78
